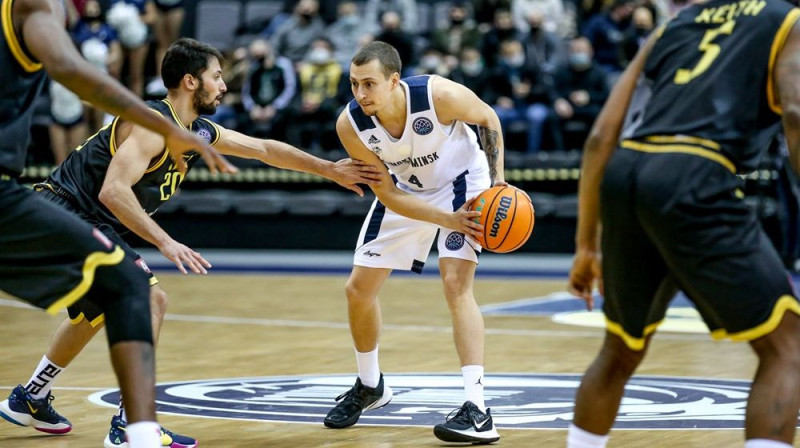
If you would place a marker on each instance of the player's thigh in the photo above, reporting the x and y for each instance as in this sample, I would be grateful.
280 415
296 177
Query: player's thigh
635 278
391 241
715 247
48 256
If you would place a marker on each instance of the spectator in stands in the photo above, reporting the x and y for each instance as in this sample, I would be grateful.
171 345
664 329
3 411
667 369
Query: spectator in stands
393 34
554 18
543 49
457 34
167 29
235 70
605 32
313 114
131 19
582 90
472 72
349 32
484 10
375 10
294 37
268 90
68 128
643 24
433 62
99 44
521 95
502 30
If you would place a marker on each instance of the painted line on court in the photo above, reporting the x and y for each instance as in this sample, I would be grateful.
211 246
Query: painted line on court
89 389
411 328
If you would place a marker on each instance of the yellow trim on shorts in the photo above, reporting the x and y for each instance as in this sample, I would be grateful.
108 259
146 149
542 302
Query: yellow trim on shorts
90 265
153 281
683 149
784 304
777 45
26 62
633 343
97 320
679 139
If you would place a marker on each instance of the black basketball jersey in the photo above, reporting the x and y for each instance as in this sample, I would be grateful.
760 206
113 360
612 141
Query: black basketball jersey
21 80
81 176
711 80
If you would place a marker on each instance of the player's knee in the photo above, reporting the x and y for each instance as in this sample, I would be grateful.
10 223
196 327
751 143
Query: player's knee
621 359
357 293
782 344
455 289
159 300
123 294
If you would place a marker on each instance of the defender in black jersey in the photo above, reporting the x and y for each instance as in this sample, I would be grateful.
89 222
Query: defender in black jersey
48 256
716 81
122 174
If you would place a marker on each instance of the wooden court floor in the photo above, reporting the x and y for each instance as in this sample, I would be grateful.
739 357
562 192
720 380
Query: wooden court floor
297 326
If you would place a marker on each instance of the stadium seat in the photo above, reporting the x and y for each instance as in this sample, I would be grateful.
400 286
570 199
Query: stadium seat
216 22
260 202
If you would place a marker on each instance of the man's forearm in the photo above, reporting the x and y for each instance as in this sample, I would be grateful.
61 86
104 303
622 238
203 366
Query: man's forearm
125 207
282 155
492 143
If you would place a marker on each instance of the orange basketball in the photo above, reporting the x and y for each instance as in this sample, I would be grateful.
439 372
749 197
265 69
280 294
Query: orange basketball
507 216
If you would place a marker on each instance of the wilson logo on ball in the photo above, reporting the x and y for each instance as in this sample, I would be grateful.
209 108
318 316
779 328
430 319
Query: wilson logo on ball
502 213
507 217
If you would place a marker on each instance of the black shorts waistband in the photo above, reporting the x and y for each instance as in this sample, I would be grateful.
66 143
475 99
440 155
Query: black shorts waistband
54 189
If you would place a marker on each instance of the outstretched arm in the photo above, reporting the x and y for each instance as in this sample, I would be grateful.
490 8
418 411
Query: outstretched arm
347 173
787 84
126 169
397 200
454 102
40 24
596 152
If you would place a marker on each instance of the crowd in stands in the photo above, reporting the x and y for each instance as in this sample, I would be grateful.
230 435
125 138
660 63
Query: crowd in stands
545 66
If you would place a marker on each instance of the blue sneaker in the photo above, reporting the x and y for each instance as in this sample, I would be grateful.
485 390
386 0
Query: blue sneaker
22 409
116 437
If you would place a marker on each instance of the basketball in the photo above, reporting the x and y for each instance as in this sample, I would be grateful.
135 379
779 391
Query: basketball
507 217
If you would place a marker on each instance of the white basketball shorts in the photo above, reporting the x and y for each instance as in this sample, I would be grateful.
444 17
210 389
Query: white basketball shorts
392 241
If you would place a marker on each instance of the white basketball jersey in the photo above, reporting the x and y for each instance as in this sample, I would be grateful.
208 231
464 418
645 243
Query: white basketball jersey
428 156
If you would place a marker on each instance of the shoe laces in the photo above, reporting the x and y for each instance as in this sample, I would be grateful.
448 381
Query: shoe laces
352 394
461 415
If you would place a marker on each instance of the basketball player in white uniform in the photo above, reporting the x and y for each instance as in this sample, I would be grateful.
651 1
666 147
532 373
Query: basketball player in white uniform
432 167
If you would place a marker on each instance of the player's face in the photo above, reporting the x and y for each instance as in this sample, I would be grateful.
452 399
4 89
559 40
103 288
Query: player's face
212 88
370 87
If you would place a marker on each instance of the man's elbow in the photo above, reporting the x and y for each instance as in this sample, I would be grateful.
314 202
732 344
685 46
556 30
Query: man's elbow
597 140
109 196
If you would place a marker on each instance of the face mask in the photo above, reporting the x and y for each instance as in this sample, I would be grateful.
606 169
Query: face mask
515 61
351 20
457 21
472 68
307 16
319 56
429 62
535 28
580 61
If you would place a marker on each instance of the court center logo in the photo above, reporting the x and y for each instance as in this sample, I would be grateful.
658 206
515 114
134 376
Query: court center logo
422 126
518 401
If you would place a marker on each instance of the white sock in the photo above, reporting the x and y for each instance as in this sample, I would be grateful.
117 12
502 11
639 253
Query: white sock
473 385
121 413
143 435
43 378
368 369
578 438
765 443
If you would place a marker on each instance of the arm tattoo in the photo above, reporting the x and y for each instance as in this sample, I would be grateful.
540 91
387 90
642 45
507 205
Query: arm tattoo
489 142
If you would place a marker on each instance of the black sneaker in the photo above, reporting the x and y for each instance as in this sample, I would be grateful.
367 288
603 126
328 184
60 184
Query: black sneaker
468 425
358 399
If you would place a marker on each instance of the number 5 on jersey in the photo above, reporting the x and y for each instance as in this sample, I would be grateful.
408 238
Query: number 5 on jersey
710 52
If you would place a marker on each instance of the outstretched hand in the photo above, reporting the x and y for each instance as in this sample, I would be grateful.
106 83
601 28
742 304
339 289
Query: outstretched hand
179 142
586 269
349 172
